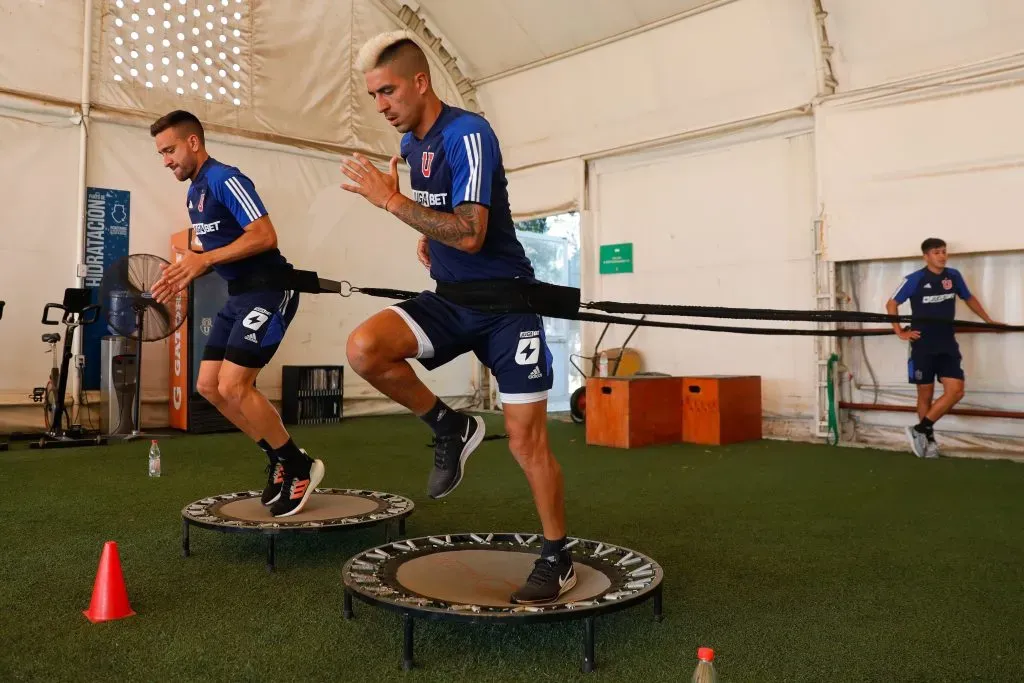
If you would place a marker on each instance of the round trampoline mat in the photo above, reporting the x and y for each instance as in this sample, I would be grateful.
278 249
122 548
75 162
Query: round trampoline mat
326 510
319 507
486 577
471 576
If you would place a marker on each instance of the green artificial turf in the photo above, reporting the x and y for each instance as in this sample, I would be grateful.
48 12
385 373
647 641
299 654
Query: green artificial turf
795 562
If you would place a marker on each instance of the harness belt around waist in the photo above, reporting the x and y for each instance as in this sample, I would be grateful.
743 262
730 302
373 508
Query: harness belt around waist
278 280
516 295
513 296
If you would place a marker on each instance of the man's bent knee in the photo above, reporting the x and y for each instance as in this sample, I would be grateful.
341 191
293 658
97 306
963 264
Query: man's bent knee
369 353
233 392
380 341
364 351
210 391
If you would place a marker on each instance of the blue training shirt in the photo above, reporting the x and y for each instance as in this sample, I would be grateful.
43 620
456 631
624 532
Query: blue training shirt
222 201
933 295
459 160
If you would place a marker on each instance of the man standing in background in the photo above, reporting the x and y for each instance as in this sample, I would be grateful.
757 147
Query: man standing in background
934 351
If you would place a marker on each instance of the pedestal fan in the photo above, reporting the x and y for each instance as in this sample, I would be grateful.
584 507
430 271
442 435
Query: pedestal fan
133 312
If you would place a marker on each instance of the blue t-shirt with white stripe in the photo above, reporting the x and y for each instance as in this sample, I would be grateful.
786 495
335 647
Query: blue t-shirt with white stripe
222 201
457 161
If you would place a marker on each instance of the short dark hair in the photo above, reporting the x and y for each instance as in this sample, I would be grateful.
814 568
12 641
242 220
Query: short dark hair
178 117
931 243
407 54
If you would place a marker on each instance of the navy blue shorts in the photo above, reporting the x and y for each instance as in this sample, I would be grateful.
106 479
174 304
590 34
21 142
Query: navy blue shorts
250 327
926 364
512 346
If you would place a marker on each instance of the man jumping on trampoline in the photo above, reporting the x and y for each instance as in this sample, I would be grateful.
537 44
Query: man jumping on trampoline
934 352
460 206
239 243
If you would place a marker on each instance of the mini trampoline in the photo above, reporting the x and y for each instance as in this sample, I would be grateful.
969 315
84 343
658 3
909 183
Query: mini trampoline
470 577
327 510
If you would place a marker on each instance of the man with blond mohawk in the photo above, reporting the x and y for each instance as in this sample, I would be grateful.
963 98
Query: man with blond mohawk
460 206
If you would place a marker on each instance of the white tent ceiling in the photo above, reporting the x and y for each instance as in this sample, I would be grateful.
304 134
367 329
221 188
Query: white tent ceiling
494 36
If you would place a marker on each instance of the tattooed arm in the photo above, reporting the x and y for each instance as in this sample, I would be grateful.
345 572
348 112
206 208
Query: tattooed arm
464 230
474 159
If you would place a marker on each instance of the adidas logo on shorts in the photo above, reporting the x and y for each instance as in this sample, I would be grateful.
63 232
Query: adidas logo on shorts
251 337
536 374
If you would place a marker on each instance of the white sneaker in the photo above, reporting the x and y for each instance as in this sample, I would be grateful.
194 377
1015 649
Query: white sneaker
931 450
918 442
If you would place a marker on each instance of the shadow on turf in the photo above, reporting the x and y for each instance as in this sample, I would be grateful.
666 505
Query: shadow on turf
299 551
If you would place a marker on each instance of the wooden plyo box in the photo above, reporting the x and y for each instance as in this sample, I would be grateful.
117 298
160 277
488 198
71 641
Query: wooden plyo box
721 410
629 412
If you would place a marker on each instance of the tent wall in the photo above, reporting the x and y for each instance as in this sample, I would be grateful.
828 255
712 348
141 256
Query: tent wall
720 223
41 48
945 160
37 255
739 61
880 41
546 190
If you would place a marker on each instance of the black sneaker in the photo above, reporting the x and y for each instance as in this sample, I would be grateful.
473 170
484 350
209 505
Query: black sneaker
551 577
298 486
450 454
275 478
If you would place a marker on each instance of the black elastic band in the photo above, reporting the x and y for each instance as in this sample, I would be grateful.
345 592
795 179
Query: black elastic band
822 316
522 295
780 331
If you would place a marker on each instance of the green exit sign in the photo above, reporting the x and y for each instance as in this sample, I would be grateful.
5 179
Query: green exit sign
616 258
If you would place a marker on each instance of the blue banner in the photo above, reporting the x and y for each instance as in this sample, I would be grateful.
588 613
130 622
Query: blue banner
107 217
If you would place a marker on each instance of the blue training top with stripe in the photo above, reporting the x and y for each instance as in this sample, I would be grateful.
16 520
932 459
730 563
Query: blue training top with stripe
459 160
933 295
222 201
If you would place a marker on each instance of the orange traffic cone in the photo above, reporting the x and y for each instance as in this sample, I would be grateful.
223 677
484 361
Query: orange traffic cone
109 595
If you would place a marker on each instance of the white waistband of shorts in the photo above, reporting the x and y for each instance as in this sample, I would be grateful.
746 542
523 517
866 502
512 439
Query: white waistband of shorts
516 399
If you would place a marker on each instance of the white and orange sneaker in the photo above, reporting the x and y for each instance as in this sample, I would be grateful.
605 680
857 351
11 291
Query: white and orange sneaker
297 487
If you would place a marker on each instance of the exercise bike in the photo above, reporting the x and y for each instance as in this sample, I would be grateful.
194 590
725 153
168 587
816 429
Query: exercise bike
77 311
48 395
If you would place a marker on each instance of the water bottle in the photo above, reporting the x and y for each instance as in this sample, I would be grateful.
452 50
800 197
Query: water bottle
602 365
154 459
705 671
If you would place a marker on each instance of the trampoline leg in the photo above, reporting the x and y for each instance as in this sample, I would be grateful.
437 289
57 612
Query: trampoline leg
270 553
407 662
588 645
401 527
387 533
347 609
657 605
186 550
